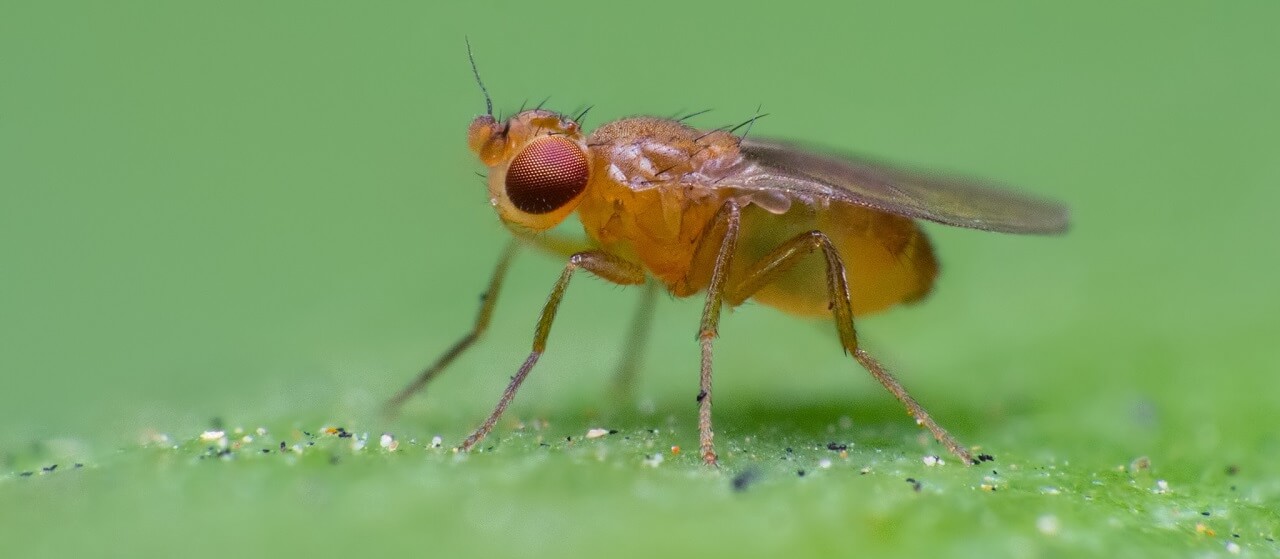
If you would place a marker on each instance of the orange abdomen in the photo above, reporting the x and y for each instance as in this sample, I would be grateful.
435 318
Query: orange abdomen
887 258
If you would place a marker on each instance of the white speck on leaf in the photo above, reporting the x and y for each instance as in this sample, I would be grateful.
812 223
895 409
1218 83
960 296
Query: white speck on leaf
1048 524
210 436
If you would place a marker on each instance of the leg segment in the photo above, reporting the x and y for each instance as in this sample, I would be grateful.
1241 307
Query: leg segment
624 380
489 299
785 256
601 264
728 219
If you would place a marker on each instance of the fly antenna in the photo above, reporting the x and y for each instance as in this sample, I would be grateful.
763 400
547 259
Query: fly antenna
488 103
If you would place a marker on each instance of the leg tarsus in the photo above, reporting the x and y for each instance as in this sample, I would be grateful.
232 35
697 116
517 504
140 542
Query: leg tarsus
705 434
922 417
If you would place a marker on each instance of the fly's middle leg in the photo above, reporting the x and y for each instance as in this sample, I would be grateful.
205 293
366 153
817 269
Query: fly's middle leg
726 226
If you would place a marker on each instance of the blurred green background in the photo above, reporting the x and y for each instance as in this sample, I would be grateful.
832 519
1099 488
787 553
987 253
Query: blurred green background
264 214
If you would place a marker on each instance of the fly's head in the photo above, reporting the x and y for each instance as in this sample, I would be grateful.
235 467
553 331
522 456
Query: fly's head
539 166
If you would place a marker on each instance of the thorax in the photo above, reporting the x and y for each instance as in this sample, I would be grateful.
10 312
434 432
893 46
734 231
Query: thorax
653 191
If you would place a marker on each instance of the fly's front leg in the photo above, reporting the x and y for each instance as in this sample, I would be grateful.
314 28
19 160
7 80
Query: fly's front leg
729 220
489 299
601 264
782 259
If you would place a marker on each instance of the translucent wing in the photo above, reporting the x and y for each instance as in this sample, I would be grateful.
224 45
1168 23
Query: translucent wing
949 200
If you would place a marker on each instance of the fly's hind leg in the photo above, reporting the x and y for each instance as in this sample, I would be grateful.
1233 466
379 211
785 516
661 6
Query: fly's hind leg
601 264
782 259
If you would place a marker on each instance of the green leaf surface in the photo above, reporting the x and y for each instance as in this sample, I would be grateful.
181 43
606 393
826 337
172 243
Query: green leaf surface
227 227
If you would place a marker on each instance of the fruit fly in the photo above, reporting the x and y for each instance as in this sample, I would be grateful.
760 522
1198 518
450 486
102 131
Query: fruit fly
732 219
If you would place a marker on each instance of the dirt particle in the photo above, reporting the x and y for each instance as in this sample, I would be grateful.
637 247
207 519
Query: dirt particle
1140 464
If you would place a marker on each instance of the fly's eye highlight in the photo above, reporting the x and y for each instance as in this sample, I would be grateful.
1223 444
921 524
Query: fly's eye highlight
549 173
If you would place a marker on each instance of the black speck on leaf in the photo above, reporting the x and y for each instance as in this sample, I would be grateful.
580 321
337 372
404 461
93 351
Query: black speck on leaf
744 479
51 468
986 458
837 446
915 485
27 474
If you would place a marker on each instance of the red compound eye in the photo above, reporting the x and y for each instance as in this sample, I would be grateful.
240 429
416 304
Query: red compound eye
549 173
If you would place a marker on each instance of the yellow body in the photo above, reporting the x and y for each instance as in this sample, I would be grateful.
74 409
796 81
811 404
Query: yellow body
655 186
